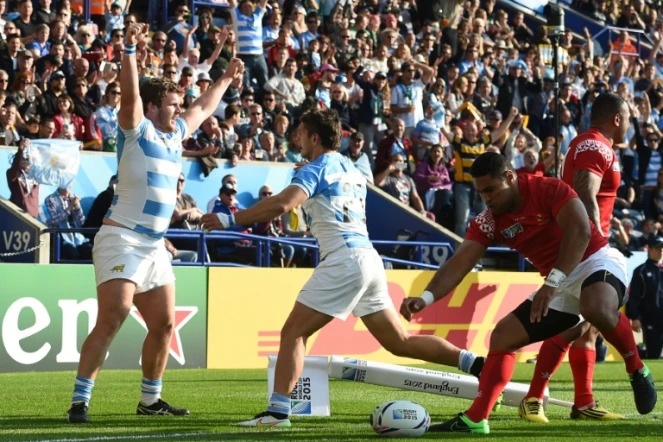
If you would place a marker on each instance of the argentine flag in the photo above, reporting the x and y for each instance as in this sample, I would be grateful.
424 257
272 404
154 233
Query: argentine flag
54 162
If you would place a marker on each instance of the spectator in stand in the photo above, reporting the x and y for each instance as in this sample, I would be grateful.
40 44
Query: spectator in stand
226 180
186 214
47 103
8 134
43 14
247 24
434 186
407 96
372 108
286 87
103 124
67 121
24 191
397 142
101 204
65 212
24 21
358 157
514 87
400 186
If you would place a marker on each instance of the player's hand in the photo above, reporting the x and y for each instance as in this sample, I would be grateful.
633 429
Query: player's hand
135 32
216 221
540 303
411 306
235 69
636 326
514 112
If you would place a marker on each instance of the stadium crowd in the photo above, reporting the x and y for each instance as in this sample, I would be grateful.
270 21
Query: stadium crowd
419 98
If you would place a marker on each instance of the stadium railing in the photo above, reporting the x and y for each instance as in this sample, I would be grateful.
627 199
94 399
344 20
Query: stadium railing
263 246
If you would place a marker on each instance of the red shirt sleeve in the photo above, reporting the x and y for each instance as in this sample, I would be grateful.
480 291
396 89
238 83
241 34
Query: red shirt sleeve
555 193
482 229
593 158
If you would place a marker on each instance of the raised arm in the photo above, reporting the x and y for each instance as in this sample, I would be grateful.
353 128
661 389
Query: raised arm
447 277
187 42
206 104
497 133
132 105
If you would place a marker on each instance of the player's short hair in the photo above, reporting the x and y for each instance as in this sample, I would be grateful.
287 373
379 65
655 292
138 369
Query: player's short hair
155 90
606 106
489 163
326 124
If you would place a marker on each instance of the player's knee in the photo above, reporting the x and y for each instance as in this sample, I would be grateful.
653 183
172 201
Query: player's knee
164 328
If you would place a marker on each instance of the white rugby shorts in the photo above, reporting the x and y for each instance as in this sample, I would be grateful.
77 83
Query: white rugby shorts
121 253
567 298
348 280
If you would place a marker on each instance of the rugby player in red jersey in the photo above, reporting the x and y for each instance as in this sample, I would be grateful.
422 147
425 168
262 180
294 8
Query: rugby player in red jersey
544 220
592 169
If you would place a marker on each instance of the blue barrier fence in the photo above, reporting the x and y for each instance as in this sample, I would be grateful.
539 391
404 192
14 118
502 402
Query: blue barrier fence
263 246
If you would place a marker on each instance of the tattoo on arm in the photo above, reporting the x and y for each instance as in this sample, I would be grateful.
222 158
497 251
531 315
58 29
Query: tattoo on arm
587 184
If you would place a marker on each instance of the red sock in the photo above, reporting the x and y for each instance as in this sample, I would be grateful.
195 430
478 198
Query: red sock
496 373
551 354
621 337
582 362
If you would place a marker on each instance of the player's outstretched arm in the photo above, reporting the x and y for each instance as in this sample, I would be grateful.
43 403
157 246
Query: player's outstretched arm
132 105
447 277
206 104
262 211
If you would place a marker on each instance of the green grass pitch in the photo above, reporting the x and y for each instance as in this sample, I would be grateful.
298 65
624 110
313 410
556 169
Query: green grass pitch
33 406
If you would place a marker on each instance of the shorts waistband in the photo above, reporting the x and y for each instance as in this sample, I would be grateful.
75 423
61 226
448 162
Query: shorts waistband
105 228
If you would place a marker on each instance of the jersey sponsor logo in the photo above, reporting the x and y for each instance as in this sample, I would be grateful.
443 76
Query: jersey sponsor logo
512 231
594 146
486 223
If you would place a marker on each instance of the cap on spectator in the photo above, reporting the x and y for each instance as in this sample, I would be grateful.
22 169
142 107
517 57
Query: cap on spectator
25 54
501 44
357 136
193 92
549 75
57 74
421 58
518 64
204 76
231 95
655 241
495 115
380 74
328 67
116 5
228 189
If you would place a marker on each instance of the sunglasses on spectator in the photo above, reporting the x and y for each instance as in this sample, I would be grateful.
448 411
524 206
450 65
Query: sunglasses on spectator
267 100
266 193
234 183
187 74
118 35
170 72
248 99
160 40
86 35
256 114
181 180
116 92
4 80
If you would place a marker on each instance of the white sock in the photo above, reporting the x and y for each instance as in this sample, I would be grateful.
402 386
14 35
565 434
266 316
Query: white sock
150 391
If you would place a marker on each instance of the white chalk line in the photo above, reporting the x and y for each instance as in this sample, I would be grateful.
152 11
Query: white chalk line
197 434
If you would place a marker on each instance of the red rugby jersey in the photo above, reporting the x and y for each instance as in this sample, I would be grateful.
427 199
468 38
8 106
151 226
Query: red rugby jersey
532 231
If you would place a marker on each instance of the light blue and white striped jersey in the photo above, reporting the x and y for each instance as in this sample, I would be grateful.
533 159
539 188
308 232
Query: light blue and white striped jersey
248 31
336 207
149 165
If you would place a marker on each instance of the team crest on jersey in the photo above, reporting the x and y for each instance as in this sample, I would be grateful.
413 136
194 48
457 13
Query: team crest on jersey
512 231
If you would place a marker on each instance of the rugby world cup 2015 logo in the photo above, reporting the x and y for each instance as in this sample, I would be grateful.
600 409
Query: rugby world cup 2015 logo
300 408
